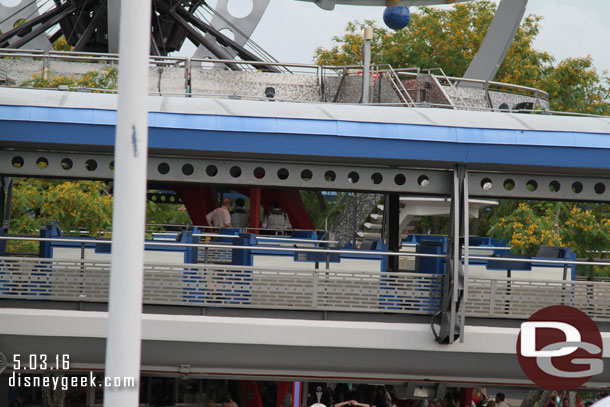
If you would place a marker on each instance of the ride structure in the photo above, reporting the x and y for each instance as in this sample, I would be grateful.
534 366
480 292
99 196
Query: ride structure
297 308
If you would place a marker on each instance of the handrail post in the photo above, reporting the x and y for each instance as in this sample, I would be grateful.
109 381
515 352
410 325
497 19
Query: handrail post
492 295
314 289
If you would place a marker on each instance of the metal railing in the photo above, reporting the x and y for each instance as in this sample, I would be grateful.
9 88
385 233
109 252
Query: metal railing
290 288
321 72
323 288
486 86
226 285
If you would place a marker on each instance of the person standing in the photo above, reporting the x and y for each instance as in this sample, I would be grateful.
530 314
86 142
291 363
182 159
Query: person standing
239 216
220 217
276 219
500 400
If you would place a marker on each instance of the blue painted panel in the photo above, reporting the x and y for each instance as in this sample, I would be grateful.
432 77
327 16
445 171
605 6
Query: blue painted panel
304 126
182 121
107 117
426 133
57 133
250 124
545 138
14 112
61 115
373 130
486 136
592 140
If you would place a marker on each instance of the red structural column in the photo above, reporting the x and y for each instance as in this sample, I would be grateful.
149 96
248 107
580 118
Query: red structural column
249 395
465 397
255 208
199 201
283 389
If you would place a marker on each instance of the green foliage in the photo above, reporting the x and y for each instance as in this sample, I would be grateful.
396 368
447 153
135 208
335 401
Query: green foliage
574 85
96 81
585 228
62 45
323 216
446 38
74 204
164 213
527 228
449 39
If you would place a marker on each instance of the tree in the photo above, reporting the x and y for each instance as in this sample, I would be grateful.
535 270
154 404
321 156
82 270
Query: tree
449 39
584 228
74 204
574 85
445 38
159 213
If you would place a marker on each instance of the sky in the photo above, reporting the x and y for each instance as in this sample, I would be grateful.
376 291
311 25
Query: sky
291 30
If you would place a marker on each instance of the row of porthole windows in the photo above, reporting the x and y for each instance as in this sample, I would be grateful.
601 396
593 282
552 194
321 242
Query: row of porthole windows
235 171
65 163
532 185
164 198
306 175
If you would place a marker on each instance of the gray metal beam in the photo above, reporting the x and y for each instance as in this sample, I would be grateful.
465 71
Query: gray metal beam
241 27
218 171
533 186
114 16
495 46
265 172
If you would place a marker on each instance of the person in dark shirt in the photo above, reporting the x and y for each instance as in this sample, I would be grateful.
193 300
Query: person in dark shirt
239 216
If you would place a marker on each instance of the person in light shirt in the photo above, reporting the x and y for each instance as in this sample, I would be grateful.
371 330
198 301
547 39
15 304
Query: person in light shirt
220 217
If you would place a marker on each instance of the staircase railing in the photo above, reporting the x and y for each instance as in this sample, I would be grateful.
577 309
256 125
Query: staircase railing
451 85
399 87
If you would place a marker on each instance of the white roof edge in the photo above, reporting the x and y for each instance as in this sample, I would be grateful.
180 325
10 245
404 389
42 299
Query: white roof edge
313 111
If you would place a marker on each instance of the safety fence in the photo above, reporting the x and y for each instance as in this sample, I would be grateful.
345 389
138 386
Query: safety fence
297 289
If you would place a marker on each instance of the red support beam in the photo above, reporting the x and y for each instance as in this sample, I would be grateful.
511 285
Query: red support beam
199 201
255 208
466 397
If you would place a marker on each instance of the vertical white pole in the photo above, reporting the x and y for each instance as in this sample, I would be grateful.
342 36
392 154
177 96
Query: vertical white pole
366 61
130 156
466 201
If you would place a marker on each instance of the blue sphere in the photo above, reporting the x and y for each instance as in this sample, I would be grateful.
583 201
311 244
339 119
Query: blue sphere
397 17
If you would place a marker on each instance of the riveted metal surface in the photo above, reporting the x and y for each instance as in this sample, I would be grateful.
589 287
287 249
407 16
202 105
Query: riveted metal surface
544 187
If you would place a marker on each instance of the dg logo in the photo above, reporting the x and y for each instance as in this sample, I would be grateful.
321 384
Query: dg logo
560 348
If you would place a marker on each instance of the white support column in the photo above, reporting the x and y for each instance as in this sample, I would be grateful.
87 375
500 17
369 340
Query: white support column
466 202
366 61
455 201
131 149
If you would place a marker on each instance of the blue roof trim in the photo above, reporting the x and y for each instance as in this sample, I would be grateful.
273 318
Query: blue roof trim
332 138
311 126
311 145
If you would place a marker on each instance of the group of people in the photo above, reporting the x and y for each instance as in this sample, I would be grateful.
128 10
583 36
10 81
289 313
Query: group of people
480 399
223 217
